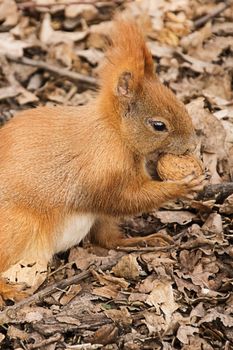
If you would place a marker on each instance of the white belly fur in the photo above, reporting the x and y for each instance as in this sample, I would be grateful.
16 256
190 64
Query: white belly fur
73 230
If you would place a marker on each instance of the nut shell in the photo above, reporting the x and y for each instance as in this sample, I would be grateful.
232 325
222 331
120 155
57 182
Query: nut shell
173 167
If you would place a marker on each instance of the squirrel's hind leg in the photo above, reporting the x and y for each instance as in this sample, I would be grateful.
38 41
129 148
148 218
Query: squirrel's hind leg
25 242
107 234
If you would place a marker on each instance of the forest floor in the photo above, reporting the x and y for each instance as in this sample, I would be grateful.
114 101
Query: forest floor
175 297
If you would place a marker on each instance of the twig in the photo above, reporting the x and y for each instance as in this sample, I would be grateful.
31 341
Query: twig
9 313
203 20
219 192
146 249
75 77
31 4
53 339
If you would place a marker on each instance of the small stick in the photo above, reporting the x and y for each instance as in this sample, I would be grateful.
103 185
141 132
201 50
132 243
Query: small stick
55 338
30 4
10 312
75 77
203 20
219 192
146 249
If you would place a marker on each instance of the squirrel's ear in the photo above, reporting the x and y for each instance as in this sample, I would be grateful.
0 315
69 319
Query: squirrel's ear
125 85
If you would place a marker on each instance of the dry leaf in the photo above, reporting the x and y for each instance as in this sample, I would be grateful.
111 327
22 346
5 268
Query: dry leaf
227 206
156 324
106 334
15 333
212 315
9 13
108 292
86 11
213 224
122 316
2 337
127 267
49 36
180 217
11 47
162 298
185 332
33 274
107 279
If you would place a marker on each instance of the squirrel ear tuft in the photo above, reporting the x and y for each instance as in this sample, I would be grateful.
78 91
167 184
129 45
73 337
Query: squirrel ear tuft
125 85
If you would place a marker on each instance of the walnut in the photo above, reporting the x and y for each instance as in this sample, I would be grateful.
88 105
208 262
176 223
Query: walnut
173 167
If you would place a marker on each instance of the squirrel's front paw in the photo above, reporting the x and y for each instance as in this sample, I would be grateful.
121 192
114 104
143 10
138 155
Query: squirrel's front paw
188 187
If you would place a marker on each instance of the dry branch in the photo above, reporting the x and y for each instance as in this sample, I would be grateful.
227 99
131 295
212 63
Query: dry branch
217 11
219 192
31 4
77 78
8 314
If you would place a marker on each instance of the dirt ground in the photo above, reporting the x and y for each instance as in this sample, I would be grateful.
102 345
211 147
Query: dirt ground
175 297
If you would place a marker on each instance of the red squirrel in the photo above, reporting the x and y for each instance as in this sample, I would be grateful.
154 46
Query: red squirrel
68 171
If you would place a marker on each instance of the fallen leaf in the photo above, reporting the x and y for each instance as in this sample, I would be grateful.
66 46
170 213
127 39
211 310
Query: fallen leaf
127 267
9 14
227 206
15 333
180 217
122 317
156 324
2 337
11 47
106 334
86 11
212 315
162 298
213 224
49 36
185 332
108 292
33 274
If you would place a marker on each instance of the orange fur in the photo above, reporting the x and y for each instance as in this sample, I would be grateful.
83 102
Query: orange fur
60 162
127 52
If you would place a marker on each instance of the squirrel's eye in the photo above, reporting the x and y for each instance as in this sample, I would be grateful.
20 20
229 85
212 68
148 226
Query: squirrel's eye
158 125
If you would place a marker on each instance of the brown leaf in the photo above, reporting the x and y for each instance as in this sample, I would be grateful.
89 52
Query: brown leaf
49 36
68 296
180 217
9 13
14 333
185 332
32 273
11 47
227 206
107 279
68 320
162 298
109 292
196 343
86 11
212 315
2 337
122 316
127 267
106 334
156 324
213 224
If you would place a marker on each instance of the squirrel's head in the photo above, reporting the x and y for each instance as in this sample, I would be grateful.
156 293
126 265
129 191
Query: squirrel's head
153 119
148 114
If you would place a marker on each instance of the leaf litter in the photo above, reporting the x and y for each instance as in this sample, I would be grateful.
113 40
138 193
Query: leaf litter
179 297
